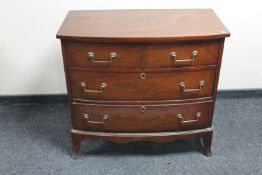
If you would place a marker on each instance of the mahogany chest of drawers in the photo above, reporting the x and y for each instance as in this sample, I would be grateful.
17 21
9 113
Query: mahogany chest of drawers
136 75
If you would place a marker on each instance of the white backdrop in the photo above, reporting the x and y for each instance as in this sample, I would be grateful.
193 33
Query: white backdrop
30 55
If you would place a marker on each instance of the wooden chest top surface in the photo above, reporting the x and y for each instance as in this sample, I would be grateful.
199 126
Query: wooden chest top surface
142 25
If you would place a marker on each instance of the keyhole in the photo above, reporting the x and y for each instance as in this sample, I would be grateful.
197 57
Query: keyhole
143 108
143 76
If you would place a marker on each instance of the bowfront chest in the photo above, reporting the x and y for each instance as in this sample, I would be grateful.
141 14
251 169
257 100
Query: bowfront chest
136 75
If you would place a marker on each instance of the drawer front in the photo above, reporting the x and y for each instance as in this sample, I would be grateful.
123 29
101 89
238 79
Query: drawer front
147 118
103 56
150 86
182 55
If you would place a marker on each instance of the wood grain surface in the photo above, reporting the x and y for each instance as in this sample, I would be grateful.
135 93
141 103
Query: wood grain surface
158 55
142 25
130 118
128 56
130 86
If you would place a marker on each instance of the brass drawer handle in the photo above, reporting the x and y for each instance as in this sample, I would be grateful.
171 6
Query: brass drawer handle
104 118
180 117
194 55
103 87
112 57
183 86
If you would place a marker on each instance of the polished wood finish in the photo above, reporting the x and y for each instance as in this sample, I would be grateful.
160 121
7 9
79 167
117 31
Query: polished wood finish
207 141
128 56
158 56
160 137
130 86
143 99
130 118
142 25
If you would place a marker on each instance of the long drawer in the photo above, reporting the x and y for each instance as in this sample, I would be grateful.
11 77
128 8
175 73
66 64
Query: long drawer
142 118
112 86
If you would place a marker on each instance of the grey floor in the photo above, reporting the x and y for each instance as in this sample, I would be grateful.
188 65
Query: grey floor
35 140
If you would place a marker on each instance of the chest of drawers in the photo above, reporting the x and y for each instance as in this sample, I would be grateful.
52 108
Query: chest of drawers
142 75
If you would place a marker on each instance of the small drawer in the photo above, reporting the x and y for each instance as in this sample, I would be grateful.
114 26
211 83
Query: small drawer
145 86
182 55
142 118
103 56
